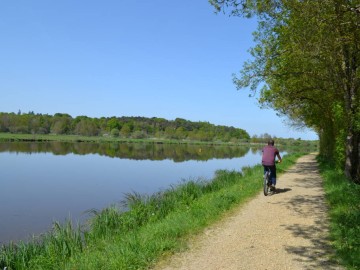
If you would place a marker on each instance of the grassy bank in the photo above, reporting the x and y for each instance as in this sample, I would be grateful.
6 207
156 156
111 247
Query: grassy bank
152 226
343 198
297 145
8 137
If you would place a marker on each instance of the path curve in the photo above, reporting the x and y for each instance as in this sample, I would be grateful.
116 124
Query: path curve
287 230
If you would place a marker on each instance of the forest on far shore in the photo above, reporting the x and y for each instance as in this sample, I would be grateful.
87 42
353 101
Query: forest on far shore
126 127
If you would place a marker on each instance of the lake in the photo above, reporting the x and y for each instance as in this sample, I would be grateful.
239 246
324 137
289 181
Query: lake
53 181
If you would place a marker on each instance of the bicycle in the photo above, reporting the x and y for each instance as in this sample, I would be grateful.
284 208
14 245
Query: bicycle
268 188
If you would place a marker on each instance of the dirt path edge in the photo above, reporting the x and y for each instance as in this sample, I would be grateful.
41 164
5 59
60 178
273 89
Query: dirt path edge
287 230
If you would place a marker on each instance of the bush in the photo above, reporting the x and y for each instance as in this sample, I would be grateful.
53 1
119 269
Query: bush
115 132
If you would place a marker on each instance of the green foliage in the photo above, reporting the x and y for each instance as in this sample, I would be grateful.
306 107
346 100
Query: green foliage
343 198
305 64
129 127
50 251
115 132
113 123
340 137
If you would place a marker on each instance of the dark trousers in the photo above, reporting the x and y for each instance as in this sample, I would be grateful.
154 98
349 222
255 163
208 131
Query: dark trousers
272 171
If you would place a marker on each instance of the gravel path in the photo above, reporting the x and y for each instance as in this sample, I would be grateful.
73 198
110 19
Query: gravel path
287 230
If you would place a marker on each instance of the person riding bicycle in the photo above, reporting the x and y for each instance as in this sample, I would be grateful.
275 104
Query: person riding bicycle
269 153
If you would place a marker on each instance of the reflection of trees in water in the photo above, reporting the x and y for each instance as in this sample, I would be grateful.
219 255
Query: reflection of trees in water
138 151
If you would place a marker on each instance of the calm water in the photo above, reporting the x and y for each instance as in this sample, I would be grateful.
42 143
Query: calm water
44 182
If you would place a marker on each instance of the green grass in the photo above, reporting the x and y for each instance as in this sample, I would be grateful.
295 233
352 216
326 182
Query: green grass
343 198
304 146
151 227
77 138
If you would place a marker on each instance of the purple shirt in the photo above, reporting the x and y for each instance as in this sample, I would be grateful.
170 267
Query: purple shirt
269 153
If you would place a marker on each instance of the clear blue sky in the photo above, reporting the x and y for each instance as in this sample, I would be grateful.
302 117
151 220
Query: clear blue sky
156 58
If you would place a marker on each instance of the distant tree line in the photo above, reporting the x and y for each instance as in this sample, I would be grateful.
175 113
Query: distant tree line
124 127
288 142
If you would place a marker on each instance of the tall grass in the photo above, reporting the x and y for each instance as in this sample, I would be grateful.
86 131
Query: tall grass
143 230
53 248
343 198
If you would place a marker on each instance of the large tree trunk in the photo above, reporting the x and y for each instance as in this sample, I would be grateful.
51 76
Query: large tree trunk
349 37
352 163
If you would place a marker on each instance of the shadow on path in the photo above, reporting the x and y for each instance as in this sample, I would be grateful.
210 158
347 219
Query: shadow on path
282 190
319 253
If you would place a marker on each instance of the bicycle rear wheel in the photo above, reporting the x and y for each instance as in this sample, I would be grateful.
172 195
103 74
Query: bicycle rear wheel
266 186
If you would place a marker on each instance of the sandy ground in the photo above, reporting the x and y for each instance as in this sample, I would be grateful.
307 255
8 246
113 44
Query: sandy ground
286 230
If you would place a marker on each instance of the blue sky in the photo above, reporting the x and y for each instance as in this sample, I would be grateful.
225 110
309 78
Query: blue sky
156 58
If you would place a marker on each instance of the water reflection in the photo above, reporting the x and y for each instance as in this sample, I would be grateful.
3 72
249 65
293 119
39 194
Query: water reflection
137 151
42 182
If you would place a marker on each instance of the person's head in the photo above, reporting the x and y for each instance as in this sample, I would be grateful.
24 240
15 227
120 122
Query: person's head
271 142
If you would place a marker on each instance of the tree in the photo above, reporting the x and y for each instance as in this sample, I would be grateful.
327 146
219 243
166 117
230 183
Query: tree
125 130
307 60
5 122
85 126
115 132
113 123
61 123
180 133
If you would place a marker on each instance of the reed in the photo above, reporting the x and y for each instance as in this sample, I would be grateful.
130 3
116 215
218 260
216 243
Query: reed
53 248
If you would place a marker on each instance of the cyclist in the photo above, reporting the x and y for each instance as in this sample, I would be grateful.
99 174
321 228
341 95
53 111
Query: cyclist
269 153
